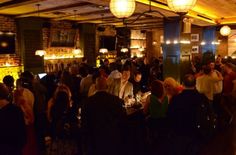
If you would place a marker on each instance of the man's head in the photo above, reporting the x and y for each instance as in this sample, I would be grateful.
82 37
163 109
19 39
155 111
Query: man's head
101 84
189 81
228 67
207 69
157 88
125 73
212 65
137 76
8 80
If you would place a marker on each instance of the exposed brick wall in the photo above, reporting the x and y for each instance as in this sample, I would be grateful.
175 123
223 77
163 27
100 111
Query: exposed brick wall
7 23
61 25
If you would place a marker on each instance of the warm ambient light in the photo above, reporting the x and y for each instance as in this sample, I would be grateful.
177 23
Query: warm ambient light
122 8
124 50
103 50
76 51
203 43
181 6
225 30
40 52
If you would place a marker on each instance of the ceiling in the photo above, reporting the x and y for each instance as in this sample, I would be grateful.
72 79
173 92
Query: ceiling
205 13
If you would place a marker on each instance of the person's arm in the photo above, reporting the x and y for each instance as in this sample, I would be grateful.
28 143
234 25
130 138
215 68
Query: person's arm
218 76
81 85
146 105
49 107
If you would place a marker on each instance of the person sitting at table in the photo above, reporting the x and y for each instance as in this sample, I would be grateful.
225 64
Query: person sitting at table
121 87
136 82
156 110
171 88
102 122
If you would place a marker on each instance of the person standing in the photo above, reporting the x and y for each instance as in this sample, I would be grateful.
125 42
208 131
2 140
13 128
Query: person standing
121 87
103 119
182 116
12 130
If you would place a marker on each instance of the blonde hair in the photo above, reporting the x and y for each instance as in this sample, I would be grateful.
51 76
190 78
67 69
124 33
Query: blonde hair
170 85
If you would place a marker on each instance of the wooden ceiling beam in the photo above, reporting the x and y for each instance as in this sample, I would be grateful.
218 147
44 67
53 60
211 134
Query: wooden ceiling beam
16 3
58 8
84 14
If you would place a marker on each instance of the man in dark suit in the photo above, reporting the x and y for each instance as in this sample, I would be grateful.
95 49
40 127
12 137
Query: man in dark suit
103 119
182 114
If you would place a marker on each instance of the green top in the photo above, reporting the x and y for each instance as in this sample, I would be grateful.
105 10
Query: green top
156 108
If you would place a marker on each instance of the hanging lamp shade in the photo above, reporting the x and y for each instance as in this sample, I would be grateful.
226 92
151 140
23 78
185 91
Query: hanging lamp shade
40 52
181 6
76 51
124 50
225 30
122 8
103 50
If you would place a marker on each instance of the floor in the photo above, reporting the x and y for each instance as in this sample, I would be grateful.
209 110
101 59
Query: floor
224 143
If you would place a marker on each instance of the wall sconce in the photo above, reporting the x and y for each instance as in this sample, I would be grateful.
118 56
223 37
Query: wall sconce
203 43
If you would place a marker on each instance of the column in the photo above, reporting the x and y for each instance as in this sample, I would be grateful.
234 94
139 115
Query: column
209 49
176 50
88 42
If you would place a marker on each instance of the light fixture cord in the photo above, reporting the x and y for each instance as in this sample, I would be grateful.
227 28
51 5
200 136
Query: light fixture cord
149 11
38 9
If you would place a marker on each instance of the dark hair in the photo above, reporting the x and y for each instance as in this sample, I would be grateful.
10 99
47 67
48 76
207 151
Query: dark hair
206 69
83 71
106 60
61 104
136 73
8 80
230 65
157 88
4 92
84 59
126 68
189 80
95 75
27 75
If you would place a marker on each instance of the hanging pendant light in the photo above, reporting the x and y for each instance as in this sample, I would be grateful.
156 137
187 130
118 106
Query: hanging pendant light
225 30
39 52
103 50
124 50
76 51
181 6
122 8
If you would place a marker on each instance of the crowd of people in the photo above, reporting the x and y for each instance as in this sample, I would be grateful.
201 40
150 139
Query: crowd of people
82 109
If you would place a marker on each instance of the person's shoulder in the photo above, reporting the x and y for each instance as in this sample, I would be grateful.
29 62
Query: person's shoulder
13 108
129 83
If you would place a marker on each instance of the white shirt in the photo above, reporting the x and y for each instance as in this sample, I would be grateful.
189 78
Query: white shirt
122 88
205 84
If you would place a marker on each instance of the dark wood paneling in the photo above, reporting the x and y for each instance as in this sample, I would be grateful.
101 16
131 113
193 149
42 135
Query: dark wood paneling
88 41
32 42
